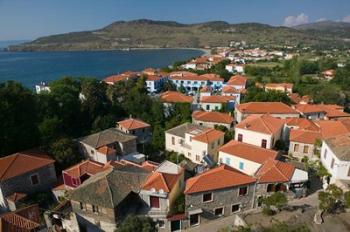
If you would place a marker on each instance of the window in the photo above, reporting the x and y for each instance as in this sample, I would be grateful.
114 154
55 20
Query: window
212 145
207 197
306 149
241 165
208 107
219 211
332 164
235 208
216 108
81 205
219 142
263 143
92 151
161 224
94 208
173 140
325 154
240 137
198 158
154 202
270 188
194 219
34 179
243 191
227 161
296 147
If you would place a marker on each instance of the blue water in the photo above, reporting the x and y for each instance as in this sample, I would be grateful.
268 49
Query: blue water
31 68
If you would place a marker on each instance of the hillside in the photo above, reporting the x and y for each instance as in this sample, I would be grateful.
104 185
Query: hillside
167 34
331 28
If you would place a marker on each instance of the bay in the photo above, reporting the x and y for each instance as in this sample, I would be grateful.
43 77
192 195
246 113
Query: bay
30 68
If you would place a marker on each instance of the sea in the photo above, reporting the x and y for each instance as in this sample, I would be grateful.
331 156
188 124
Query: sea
31 68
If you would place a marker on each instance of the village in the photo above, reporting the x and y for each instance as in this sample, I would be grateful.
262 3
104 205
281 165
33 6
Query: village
232 159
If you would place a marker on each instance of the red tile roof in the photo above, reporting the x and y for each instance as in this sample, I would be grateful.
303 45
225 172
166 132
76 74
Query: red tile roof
106 150
265 107
248 151
217 99
194 77
217 178
265 124
132 124
121 77
332 128
304 136
212 117
85 167
230 89
208 136
158 181
296 98
23 220
173 97
274 171
309 108
302 123
238 80
279 85
23 162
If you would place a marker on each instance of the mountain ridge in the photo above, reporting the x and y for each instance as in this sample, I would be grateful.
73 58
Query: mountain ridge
146 33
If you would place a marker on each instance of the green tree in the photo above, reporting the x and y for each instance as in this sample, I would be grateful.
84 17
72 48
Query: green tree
50 129
347 199
278 199
134 223
18 116
65 152
326 201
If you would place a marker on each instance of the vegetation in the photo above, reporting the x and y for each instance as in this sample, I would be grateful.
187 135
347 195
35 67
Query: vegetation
256 94
277 200
137 223
328 199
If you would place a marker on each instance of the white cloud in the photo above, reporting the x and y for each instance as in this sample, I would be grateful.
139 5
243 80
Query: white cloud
291 21
346 19
321 20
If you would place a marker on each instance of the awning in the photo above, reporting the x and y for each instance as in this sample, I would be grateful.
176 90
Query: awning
299 176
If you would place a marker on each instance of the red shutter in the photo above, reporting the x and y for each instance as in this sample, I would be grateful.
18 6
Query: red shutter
154 202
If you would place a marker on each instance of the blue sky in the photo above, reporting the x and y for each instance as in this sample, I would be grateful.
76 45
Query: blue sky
29 19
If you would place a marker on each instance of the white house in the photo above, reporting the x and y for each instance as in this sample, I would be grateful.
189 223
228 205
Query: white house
275 109
245 157
238 81
194 141
235 68
154 83
229 90
260 130
193 82
335 157
217 102
42 87
212 119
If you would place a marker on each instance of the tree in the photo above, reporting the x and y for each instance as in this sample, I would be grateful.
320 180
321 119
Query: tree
50 129
229 134
326 201
278 199
255 94
18 117
65 152
347 199
134 223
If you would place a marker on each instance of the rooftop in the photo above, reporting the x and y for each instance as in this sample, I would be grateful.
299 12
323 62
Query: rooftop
174 97
217 178
237 80
275 171
248 151
265 124
340 146
304 136
22 220
212 116
133 124
23 162
265 107
217 99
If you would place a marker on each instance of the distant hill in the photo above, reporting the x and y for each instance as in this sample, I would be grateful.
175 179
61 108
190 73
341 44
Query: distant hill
6 43
145 33
338 29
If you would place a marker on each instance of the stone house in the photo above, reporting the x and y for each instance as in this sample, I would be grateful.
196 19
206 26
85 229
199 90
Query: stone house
212 119
219 192
106 145
302 143
106 198
138 128
25 173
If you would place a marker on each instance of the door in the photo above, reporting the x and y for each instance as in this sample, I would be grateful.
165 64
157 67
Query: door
175 225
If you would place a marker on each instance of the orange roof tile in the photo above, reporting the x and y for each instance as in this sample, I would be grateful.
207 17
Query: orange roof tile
304 136
279 85
209 135
158 181
212 117
85 167
309 108
106 150
302 123
332 128
275 171
237 80
153 78
217 178
23 220
297 99
121 77
230 89
261 123
248 151
217 99
173 97
265 107
132 124
23 162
